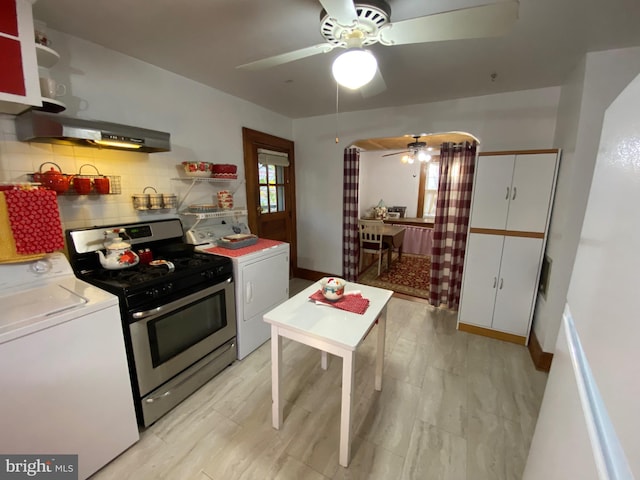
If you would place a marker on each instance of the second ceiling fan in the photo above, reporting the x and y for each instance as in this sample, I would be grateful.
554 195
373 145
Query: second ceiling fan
416 150
353 26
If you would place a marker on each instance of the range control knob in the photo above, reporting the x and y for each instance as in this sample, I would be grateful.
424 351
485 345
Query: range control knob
210 274
153 293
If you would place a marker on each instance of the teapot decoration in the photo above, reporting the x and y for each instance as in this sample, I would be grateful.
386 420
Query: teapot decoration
52 179
119 254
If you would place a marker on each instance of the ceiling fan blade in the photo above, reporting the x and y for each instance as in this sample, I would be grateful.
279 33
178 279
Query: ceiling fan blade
374 87
484 21
396 153
344 11
287 57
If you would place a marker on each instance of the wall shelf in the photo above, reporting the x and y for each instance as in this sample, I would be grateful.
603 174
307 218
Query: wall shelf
232 212
194 181
47 57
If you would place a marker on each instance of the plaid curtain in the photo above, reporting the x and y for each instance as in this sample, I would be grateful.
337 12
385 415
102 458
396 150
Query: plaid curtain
457 163
350 240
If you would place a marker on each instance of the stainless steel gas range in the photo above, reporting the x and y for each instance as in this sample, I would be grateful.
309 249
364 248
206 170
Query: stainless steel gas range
178 314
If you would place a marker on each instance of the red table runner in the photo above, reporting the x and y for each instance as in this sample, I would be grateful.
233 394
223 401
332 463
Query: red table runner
351 302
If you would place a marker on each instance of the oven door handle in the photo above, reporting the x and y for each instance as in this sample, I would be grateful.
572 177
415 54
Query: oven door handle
186 379
180 302
148 313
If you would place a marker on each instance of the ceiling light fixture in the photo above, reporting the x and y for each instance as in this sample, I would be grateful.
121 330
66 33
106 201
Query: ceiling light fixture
419 154
417 150
356 67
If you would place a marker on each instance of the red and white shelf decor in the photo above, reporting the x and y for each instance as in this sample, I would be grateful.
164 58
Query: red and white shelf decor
225 176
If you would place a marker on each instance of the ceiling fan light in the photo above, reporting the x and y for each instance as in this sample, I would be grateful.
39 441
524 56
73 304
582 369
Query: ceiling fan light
354 68
423 156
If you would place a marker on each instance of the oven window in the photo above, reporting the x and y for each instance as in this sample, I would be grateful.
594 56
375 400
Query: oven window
181 329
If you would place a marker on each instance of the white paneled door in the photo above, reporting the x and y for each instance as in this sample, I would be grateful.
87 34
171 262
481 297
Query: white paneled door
530 195
491 191
482 269
517 284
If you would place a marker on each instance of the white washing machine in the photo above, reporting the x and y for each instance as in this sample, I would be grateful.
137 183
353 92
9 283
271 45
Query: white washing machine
261 275
64 377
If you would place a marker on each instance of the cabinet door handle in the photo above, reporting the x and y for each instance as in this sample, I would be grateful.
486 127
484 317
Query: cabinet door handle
506 197
495 282
501 282
515 191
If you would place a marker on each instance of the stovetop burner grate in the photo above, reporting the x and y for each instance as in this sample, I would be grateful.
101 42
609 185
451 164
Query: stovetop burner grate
141 274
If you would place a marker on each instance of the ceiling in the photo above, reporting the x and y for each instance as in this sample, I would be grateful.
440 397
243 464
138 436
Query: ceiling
400 143
205 40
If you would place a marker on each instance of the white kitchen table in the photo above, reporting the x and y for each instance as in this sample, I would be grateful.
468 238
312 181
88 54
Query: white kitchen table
330 330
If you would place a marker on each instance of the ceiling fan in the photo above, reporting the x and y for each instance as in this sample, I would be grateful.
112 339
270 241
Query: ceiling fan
349 25
416 150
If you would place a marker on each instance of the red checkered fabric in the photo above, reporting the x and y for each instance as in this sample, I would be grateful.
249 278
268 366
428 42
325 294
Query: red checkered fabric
353 302
350 239
453 206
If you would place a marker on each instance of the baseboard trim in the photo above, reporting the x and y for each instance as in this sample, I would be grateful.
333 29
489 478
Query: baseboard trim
310 274
486 332
541 359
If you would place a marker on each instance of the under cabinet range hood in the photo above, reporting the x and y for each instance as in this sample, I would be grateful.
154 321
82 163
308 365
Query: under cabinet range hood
43 127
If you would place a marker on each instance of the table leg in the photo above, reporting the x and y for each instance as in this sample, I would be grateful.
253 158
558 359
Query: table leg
277 406
382 327
348 375
400 252
324 361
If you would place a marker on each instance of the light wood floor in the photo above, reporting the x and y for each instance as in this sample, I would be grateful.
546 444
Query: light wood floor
453 406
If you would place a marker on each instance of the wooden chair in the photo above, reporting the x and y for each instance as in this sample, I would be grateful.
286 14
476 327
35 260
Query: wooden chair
371 240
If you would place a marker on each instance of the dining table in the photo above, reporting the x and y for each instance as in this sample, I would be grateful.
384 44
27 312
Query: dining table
393 237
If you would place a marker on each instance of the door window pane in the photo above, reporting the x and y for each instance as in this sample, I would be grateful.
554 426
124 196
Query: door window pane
271 185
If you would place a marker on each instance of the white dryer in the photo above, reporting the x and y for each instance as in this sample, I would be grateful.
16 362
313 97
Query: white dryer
261 275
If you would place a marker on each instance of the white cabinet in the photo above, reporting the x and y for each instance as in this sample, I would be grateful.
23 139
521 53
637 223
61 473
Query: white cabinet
503 271
513 192
512 196
19 85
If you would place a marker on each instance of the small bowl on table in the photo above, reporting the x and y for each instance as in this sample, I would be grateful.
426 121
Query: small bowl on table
332 288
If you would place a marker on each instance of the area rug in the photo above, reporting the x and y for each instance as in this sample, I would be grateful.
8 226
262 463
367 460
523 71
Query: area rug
409 276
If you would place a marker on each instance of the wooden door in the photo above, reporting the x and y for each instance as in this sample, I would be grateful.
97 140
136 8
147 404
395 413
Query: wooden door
271 195
492 191
531 190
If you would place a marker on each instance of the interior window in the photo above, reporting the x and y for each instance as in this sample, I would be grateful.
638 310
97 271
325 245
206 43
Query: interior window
428 188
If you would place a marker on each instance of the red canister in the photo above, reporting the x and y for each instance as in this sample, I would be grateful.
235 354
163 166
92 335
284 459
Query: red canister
146 256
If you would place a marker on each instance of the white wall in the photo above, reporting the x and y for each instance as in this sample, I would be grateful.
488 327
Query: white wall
585 96
516 120
389 180
205 124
